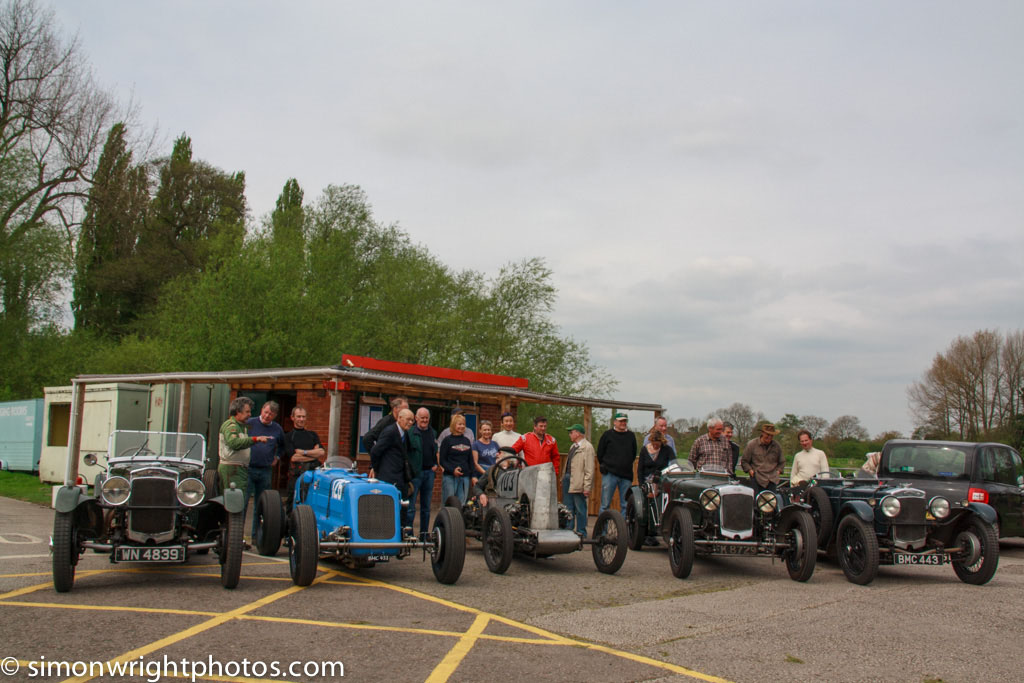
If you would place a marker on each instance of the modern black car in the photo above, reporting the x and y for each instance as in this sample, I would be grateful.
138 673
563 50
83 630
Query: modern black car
710 512
913 513
152 504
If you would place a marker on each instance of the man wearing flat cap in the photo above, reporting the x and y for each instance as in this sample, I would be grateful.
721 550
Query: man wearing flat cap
578 476
763 460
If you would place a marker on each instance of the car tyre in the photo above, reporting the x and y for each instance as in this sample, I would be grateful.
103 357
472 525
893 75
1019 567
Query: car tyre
680 542
211 482
984 540
453 502
304 546
496 537
633 524
821 513
798 530
857 550
231 550
449 533
269 520
65 551
611 541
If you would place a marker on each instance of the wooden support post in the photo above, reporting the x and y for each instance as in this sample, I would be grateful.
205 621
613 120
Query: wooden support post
75 432
588 419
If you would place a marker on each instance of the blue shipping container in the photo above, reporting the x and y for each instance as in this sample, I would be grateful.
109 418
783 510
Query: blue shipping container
21 434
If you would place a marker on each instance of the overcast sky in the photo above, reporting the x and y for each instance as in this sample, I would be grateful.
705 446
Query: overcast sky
794 205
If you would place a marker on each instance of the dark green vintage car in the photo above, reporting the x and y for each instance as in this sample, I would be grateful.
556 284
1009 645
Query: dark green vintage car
710 512
154 503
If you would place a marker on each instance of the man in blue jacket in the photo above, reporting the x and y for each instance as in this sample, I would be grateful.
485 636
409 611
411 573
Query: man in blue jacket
264 456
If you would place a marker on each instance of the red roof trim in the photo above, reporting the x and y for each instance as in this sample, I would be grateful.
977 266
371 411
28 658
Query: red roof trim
349 361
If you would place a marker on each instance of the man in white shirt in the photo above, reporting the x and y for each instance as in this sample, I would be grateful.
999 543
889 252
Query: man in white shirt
507 437
808 462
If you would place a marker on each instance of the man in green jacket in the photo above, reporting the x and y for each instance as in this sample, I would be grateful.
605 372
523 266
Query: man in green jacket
234 443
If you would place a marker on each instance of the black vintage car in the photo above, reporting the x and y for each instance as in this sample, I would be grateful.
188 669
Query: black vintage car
917 511
710 512
525 517
153 504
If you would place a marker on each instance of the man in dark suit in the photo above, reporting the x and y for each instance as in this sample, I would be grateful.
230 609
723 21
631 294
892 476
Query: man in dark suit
390 452
398 404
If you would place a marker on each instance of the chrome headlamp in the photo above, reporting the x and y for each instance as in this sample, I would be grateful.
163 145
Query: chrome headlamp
710 499
191 492
939 507
767 501
890 506
115 490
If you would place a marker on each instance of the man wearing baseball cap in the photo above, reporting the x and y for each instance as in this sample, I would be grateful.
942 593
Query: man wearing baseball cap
616 452
578 477
763 460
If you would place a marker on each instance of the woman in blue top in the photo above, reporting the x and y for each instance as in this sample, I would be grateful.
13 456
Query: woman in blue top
456 458
485 451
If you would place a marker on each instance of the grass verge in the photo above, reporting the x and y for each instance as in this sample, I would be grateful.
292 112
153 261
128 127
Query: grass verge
25 487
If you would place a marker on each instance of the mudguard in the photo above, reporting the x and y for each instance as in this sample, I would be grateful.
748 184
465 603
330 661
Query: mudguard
234 500
68 498
859 508
666 515
985 511
638 504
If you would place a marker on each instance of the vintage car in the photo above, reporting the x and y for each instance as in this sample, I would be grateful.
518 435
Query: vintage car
151 504
341 514
710 512
913 513
525 517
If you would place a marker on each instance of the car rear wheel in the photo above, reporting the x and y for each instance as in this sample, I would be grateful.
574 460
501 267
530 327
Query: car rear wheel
269 519
857 550
231 550
453 502
449 555
633 526
979 556
303 546
680 542
65 551
821 513
497 539
611 541
798 531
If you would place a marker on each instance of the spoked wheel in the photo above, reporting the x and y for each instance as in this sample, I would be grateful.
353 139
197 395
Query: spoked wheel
65 551
821 514
611 541
798 531
449 534
857 550
497 539
231 550
680 542
979 555
269 520
633 530
303 546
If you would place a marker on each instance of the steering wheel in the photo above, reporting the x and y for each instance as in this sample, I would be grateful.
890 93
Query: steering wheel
517 458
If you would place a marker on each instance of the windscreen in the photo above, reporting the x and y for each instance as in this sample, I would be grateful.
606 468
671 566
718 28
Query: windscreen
139 445
928 460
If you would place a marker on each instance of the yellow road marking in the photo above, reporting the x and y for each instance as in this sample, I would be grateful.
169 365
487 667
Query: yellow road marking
109 608
459 651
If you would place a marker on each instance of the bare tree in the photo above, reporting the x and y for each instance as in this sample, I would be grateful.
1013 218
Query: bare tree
846 428
743 419
53 120
814 424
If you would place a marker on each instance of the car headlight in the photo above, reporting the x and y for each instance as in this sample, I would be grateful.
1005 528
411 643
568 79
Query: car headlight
890 506
710 499
191 492
115 490
767 501
939 507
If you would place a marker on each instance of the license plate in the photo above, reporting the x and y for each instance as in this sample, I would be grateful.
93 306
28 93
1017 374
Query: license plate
171 553
909 558
379 558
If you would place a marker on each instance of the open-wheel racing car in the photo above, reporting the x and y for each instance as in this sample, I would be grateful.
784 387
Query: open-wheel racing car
151 504
341 514
709 512
912 514
524 516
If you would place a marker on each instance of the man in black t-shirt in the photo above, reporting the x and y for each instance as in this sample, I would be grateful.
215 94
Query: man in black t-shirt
303 447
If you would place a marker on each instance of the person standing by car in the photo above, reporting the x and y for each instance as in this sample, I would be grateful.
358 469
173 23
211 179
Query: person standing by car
655 456
763 460
727 431
712 450
538 447
578 477
234 443
390 451
265 455
508 435
423 459
808 462
616 452
456 459
661 426
304 451
398 404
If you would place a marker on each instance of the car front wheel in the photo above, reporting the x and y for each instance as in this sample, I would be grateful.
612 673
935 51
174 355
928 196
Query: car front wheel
303 546
857 550
65 551
979 552
497 539
821 513
449 554
680 542
231 550
636 534
798 532
269 519
611 541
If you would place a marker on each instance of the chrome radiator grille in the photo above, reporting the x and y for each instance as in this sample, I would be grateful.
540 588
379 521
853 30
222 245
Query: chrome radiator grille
737 512
153 492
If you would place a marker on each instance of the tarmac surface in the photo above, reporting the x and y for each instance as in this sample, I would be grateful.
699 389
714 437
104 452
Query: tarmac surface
733 619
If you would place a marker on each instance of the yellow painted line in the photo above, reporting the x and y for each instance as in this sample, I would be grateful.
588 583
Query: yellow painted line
21 576
108 608
32 589
443 671
204 626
